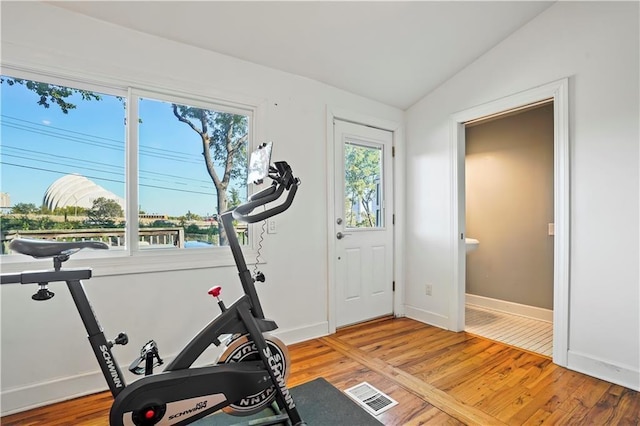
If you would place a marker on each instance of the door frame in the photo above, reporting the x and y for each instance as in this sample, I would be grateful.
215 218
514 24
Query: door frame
334 113
558 91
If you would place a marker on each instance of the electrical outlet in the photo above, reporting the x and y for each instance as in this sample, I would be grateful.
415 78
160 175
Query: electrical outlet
428 289
271 226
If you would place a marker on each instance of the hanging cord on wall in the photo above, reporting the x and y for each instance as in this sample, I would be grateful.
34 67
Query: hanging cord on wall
260 240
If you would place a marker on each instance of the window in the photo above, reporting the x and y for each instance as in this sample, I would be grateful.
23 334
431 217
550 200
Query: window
363 171
192 165
63 156
63 166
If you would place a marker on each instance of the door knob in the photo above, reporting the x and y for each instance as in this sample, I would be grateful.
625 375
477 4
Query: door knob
341 235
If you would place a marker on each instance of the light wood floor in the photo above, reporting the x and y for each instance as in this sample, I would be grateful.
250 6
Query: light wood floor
438 377
525 333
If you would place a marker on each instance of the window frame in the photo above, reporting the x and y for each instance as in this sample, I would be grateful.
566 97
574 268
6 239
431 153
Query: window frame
131 259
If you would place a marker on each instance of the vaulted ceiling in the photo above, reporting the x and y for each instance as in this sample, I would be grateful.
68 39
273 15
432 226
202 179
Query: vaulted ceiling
394 52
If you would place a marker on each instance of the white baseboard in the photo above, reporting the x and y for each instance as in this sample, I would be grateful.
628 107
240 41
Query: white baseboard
300 334
510 307
52 391
620 375
427 317
45 393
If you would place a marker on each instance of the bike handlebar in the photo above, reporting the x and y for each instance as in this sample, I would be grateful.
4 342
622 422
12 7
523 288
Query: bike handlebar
283 180
264 193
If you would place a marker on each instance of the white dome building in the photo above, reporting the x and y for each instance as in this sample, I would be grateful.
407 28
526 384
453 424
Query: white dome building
76 191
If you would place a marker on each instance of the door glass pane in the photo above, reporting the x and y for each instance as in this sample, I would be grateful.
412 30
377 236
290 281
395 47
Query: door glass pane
363 186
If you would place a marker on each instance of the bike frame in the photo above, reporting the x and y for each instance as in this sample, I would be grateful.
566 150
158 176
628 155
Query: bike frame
99 344
244 316
230 321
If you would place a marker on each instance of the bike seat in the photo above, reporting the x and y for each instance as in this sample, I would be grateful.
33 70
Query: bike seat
47 248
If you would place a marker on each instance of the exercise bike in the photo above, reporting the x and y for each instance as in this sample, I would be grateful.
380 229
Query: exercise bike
249 375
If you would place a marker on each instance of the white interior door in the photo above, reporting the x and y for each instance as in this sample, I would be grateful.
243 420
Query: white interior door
363 222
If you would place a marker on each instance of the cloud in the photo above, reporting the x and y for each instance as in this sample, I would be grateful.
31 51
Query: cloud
46 122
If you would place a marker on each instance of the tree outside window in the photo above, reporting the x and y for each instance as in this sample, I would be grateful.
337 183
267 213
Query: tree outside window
192 162
363 168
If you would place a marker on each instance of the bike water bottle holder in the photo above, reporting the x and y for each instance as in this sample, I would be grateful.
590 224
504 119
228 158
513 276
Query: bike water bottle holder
148 354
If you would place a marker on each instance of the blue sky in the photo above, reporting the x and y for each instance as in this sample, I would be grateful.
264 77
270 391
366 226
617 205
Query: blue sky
39 145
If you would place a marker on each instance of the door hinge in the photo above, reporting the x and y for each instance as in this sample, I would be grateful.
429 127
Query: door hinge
393 286
393 151
393 219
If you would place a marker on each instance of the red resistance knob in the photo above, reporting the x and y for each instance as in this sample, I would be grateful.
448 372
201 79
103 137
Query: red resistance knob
215 291
149 414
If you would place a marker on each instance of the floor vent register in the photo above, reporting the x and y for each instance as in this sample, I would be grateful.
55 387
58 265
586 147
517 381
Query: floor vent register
371 398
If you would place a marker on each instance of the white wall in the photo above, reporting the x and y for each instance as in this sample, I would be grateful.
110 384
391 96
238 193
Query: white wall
596 45
43 346
45 356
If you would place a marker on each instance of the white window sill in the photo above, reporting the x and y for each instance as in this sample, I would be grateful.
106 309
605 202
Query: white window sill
121 262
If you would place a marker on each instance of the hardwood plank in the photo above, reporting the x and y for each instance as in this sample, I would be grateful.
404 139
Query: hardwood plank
547 395
615 407
438 378
436 397
351 373
84 411
432 416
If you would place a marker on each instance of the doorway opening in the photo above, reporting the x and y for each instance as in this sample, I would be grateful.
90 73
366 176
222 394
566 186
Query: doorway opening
556 92
509 227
